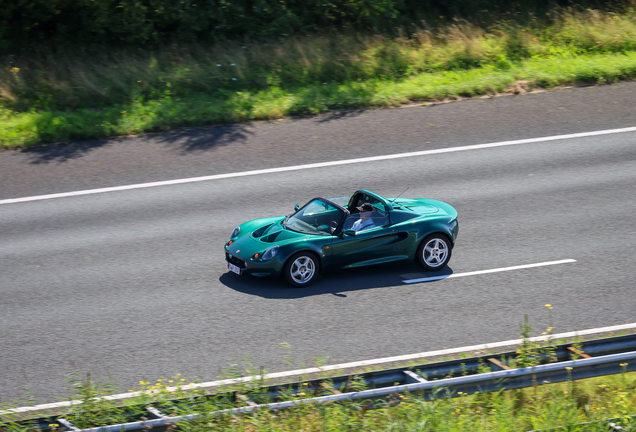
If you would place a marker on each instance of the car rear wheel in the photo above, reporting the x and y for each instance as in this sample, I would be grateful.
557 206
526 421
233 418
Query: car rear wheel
302 269
434 252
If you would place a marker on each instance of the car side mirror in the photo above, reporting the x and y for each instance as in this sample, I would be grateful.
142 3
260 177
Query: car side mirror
349 232
297 207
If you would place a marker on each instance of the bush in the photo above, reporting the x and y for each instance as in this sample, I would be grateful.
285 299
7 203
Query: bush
140 23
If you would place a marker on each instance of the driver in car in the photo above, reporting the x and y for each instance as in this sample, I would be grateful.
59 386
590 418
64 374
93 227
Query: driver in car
365 222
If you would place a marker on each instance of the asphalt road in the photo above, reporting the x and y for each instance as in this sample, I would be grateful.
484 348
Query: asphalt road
132 285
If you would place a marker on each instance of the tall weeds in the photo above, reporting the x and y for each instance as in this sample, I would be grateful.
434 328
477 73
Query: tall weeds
73 80
84 95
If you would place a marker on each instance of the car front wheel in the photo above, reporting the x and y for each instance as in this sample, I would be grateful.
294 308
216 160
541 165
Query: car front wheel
302 269
434 252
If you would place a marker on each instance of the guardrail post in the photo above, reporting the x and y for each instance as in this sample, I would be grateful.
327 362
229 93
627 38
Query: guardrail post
579 353
156 413
412 377
243 398
499 364
68 425
330 388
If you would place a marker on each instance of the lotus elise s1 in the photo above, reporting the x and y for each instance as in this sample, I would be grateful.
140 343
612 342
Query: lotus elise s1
344 232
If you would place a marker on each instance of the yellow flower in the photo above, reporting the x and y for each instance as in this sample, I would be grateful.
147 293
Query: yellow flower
302 393
543 333
548 305
568 368
54 425
624 364
15 69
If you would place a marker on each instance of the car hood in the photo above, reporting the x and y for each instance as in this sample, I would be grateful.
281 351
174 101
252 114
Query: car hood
276 233
263 232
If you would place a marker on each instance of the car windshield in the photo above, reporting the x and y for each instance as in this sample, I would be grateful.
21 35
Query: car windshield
317 217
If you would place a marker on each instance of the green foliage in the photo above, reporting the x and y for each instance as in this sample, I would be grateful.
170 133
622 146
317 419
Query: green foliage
72 95
94 409
170 112
592 401
139 23
533 352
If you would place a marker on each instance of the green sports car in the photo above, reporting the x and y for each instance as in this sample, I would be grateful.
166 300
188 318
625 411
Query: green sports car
344 232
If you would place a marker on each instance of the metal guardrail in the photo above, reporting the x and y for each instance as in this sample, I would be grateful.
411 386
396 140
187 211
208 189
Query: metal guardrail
491 381
427 380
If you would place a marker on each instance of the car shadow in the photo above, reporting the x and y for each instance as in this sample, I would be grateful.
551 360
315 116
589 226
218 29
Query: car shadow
337 283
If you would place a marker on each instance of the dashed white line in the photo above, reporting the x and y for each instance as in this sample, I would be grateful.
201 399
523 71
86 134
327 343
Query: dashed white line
316 165
480 272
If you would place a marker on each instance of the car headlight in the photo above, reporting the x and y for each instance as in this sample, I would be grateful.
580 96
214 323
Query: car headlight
236 232
270 253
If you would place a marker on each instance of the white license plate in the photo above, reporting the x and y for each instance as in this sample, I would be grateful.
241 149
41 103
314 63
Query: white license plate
234 269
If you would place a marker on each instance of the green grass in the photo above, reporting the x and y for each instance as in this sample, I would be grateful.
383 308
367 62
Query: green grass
73 96
566 404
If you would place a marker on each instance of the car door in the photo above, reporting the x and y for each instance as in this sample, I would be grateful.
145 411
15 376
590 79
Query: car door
364 248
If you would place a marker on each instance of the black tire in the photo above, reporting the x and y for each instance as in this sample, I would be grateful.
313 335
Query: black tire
302 269
434 252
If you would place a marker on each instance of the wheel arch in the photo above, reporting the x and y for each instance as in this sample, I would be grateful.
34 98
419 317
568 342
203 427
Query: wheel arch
437 228
420 255
305 275
315 253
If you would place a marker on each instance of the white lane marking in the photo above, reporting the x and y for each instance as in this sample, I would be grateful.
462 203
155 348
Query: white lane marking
342 366
480 272
316 165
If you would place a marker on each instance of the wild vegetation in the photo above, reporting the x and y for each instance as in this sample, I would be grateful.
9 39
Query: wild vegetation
56 95
75 24
577 405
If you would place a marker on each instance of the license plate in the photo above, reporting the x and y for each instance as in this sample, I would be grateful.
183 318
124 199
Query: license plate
234 269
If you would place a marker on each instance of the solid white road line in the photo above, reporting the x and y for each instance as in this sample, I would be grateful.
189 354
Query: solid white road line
317 165
480 272
342 366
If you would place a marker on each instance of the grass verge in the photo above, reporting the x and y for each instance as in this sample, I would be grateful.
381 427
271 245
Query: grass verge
59 96
21 130
574 405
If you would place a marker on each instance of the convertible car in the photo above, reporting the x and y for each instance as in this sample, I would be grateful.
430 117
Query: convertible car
344 232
